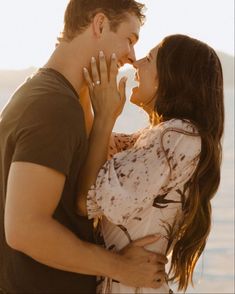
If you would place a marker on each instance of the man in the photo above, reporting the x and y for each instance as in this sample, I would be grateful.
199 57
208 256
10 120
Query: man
44 246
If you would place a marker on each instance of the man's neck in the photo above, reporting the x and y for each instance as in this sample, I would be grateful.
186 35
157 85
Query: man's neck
69 60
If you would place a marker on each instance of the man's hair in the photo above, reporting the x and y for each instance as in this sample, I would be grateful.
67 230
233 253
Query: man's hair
80 13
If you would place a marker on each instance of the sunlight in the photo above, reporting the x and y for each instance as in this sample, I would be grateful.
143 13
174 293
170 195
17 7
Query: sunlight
29 28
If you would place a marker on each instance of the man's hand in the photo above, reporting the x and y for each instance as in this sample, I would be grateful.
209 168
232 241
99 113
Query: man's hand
143 268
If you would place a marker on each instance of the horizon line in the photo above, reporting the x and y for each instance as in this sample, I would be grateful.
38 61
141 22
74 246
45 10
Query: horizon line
36 67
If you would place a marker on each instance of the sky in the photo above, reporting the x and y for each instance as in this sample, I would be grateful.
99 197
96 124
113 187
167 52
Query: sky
28 28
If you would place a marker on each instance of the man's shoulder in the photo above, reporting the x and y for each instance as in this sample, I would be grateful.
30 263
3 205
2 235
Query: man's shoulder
48 82
45 93
52 109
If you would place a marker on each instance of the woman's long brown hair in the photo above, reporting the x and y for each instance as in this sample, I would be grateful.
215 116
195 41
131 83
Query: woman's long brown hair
190 86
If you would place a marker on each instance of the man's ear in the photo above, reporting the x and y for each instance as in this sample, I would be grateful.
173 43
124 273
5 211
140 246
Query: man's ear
98 24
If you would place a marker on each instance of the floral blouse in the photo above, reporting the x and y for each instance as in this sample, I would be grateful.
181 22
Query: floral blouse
142 188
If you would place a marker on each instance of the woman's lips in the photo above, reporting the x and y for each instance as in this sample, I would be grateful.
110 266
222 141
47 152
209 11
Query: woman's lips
136 82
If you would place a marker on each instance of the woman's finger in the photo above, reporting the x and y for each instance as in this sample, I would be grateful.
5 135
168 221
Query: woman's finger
113 69
94 71
88 79
103 68
122 89
122 92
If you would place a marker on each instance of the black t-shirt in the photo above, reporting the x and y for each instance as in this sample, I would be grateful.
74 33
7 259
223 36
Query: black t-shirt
43 123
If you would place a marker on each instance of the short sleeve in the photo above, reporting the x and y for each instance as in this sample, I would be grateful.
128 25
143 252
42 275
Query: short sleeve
49 132
161 159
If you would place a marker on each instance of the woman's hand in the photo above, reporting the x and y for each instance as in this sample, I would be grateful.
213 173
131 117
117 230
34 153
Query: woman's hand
107 102
107 99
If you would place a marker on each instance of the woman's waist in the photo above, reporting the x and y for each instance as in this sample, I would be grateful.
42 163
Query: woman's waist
119 236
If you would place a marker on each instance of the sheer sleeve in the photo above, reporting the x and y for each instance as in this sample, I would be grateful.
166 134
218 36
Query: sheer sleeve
120 142
161 159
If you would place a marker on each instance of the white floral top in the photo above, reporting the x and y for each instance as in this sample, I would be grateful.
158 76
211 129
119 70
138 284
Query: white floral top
141 189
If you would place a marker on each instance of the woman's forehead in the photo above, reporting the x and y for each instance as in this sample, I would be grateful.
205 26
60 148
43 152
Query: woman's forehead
154 51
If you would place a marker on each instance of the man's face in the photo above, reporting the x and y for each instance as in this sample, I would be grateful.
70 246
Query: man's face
122 41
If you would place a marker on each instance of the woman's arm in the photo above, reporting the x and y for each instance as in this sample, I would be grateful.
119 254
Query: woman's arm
107 101
85 102
120 142
130 182
97 155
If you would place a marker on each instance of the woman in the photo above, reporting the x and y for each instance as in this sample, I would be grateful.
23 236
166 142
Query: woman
160 180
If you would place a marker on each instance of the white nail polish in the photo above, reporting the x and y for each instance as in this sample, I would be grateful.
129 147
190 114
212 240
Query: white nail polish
114 56
93 59
101 54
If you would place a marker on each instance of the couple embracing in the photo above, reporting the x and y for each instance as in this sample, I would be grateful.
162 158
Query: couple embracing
87 210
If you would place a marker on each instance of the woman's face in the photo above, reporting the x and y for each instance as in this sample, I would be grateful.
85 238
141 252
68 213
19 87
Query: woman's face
146 76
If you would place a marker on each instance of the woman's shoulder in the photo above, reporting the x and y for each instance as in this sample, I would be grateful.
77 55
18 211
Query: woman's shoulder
174 129
181 125
181 135
175 132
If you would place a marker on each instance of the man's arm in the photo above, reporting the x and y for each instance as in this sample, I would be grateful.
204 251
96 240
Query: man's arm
33 194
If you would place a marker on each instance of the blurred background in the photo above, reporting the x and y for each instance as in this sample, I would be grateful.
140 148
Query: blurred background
28 32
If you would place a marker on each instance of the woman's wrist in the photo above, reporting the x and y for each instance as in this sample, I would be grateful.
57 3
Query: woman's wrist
103 124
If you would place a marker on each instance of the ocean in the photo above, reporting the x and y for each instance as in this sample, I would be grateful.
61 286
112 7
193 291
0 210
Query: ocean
215 270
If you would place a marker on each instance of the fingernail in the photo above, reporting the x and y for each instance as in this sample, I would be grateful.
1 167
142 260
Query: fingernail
114 56
101 54
85 69
93 59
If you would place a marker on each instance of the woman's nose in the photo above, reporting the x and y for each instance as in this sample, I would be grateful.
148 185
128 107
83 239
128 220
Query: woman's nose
136 63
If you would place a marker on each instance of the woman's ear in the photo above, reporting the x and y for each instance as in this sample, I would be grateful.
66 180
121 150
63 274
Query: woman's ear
98 24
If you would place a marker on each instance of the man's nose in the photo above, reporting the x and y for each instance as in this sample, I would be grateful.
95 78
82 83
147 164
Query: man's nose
131 58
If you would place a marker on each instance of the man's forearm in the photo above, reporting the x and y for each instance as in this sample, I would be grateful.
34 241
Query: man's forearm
52 244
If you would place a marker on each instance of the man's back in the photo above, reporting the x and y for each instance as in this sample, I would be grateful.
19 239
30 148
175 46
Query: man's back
43 124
